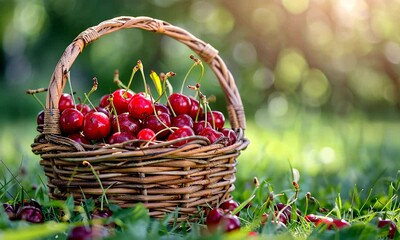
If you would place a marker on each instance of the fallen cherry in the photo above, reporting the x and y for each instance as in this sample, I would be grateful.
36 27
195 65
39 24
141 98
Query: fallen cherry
230 205
30 214
392 227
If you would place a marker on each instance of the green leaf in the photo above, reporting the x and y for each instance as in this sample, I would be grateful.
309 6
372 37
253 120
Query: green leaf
157 82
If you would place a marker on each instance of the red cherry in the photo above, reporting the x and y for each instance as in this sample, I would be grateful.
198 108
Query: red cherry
83 108
161 108
121 99
181 132
312 218
104 103
78 137
103 110
146 134
229 205
212 134
126 123
230 222
88 232
283 218
230 135
40 118
392 227
159 128
333 223
200 125
216 118
71 120
182 120
140 107
179 103
66 101
194 108
31 214
9 209
120 137
214 218
96 125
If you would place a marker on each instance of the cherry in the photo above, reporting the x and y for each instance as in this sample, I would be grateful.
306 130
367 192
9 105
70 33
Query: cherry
146 134
78 137
120 137
96 125
40 118
333 223
230 135
229 205
179 103
181 132
140 107
71 120
214 218
286 210
312 218
87 232
154 124
161 108
216 118
126 124
194 108
200 125
283 218
9 209
392 227
104 103
31 214
121 99
101 109
212 134
66 101
182 120
230 222
83 108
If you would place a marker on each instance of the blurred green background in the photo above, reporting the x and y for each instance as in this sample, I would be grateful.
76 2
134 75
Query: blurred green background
319 79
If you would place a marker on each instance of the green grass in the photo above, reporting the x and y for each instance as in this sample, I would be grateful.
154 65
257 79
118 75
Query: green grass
348 164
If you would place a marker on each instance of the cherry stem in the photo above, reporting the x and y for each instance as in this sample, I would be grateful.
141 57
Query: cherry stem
70 88
117 81
94 88
140 65
90 102
33 93
134 70
110 99
103 195
38 100
155 112
196 63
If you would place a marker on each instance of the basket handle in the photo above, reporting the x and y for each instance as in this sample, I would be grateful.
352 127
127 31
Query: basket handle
205 51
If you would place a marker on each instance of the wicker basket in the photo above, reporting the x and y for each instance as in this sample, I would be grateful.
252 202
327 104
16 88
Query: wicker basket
190 178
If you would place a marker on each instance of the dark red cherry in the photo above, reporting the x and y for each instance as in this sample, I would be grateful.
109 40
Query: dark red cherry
120 137
146 134
78 137
66 101
392 227
40 118
103 110
196 109
181 132
88 232
98 213
230 136
200 125
182 120
332 223
179 103
212 134
30 214
214 218
104 103
312 218
71 120
230 222
83 108
96 125
9 209
140 107
161 129
161 108
230 205
216 118
126 123
121 99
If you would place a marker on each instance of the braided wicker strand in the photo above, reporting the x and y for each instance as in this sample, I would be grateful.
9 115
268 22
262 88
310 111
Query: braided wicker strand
191 177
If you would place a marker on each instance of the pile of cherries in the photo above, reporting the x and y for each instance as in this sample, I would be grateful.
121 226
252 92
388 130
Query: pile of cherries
125 116
30 211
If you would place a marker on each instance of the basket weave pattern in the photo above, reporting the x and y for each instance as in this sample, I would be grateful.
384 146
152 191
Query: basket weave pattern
191 177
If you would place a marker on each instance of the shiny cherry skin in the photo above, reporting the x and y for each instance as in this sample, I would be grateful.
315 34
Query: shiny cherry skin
214 218
212 134
181 132
392 227
230 136
196 109
104 103
230 205
140 107
96 125
230 222
30 214
161 108
88 232
179 103
83 108
146 134
200 125
154 124
78 137
216 118
66 101
121 99
332 223
126 124
120 137
312 218
182 120
71 120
